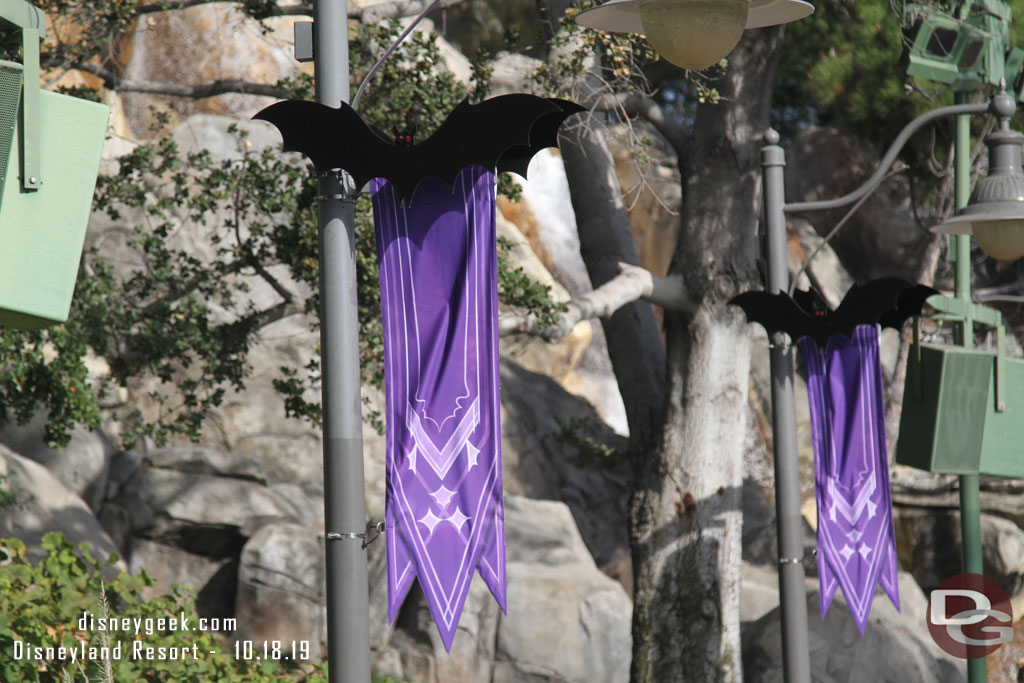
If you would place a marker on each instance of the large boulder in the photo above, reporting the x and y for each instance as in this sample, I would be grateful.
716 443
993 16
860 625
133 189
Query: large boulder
548 222
42 503
184 515
213 578
883 237
280 593
895 647
566 620
929 543
81 465
554 447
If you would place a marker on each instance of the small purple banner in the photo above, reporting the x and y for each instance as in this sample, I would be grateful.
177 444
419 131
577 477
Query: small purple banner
438 282
856 541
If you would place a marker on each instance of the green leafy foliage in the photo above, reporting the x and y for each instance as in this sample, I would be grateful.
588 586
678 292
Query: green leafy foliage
842 66
623 56
578 434
169 325
516 290
11 495
42 605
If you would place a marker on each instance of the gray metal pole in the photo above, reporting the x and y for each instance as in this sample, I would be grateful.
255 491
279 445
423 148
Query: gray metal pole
796 658
348 639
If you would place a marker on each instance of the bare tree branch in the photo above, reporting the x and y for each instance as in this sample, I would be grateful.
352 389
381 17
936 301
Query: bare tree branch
282 291
277 312
114 82
371 14
368 14
634 104
191 286
631 284
178 4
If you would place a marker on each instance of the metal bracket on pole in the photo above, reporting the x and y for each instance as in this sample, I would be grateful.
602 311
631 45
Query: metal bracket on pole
343 189
365 537
303 32
957 310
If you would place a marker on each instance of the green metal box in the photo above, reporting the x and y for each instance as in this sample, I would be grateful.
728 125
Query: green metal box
949 422
42 231
10 98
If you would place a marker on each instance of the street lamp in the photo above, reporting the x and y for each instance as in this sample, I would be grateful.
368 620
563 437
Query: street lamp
995 213
998 213
692 34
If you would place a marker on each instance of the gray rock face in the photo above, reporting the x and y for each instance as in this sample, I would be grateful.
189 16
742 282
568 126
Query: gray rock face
895 647
184 515
199 511
882 237
44 504
928 541
205 461
81 465
538 419
566 620
214 578
281 587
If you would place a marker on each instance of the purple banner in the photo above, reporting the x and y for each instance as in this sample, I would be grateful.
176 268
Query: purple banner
438 283
856 542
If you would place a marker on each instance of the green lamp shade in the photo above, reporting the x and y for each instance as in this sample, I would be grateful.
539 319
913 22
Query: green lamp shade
42 231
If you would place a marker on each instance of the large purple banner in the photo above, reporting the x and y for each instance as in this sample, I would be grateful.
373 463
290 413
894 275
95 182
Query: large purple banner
438 283
856 542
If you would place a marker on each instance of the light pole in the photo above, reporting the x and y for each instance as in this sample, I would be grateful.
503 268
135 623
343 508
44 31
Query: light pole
348 640
671 25
997 209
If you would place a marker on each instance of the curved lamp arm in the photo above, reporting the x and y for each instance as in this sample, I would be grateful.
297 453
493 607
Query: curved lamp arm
890 156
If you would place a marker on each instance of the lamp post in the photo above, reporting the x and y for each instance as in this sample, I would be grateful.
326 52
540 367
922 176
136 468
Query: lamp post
1000 208
995 216
348 644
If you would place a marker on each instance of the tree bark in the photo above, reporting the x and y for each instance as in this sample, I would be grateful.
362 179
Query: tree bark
686 513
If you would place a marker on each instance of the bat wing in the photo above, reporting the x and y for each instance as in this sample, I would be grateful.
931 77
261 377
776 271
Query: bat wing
544 133
866 304
332 138
909 304
480 135
778 312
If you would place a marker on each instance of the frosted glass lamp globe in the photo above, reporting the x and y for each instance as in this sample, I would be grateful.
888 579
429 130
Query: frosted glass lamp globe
694 34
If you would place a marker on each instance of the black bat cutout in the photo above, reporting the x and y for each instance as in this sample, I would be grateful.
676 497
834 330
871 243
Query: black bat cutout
501 134
888 301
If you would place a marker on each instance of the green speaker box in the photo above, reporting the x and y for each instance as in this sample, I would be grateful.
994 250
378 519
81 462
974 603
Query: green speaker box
949 422
42 230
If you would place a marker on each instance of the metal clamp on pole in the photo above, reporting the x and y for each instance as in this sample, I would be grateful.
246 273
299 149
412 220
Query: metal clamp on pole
798 560
343 189
365 536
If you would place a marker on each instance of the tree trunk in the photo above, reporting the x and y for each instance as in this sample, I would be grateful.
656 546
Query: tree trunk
686 514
